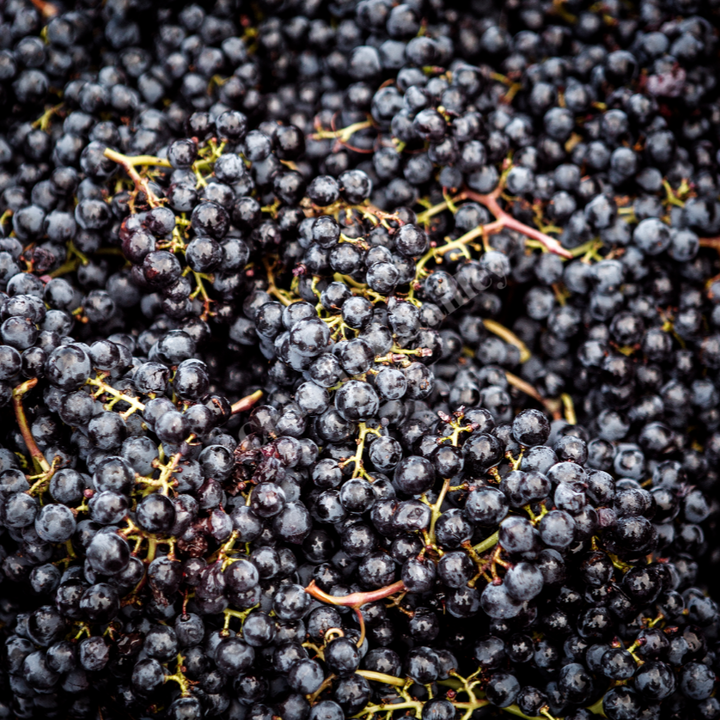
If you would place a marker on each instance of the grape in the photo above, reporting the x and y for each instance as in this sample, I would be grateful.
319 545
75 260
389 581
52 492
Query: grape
355 355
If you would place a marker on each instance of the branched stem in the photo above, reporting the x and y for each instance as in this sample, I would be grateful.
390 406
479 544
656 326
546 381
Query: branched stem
423 218
399 355
481 231
282 295
43 122
179 677
239 614
167 469
481 563
415 705
201 290
588 250
503 220
344 134
361 288
457 425
356 599
130 162
222 553
104 388
675 197
84 630
42 481
364 431
367 210
597 708
508 221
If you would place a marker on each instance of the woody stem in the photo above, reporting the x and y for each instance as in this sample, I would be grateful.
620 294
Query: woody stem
356 599
38 458
246 403
508 221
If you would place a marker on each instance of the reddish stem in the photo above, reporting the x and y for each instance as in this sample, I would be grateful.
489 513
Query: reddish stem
33 449
361 622
524 386
141 183
247 402
505 220
46 9
357 599
713 242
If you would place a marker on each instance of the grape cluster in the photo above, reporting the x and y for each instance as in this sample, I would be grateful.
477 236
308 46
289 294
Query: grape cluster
359 360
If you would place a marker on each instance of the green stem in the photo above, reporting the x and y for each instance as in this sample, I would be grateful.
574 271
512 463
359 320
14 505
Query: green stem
344 134
597 708
435 509
103 387
66 268
239 614
508 336
382 677
486 544
472 705
179 678
391 707
504 220
130 162
515 710
357 457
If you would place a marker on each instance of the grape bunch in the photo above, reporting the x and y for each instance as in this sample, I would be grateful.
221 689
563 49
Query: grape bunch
359 360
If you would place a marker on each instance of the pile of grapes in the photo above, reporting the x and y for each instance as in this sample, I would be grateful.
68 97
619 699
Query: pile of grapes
359 359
